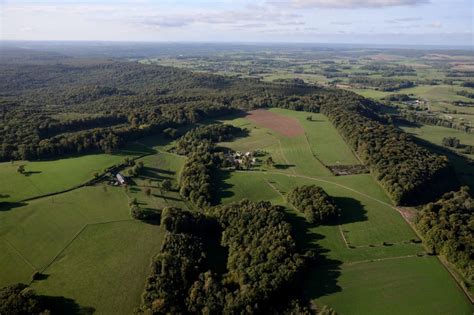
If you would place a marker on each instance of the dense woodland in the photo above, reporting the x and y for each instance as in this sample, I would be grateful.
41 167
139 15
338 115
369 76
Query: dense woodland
316 205
196 182
262 263
447 228
159 99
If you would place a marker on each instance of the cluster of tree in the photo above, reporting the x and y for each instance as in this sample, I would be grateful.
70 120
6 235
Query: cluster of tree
262 264
119 101
19 299
316 205
410 173
382 84
200 139
51 128
135 169
173 272
468 84
387 70
421 118
465 94
196 178
142 214
451 142
463 104
447 229
398 98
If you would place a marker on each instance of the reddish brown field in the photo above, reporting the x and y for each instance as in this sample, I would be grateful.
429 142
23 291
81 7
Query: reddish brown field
286 126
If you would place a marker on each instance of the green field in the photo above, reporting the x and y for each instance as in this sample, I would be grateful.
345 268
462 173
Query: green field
105 267
435 134
412 285
90 252
46 177
93 254
370 235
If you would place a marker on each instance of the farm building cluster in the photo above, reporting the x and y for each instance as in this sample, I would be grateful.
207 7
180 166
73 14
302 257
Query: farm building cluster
241 159
118 180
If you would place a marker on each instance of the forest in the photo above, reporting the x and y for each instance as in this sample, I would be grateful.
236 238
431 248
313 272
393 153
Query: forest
447 228
259 273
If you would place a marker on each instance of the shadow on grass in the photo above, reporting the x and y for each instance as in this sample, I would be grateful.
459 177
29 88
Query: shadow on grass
320 277
222 188
7 206
283 166
63 305
351 211
29 173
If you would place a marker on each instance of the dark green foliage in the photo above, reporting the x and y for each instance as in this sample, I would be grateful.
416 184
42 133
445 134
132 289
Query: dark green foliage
176 220
466 94
173 272
19 299
317 206
144 214
263 263
451 142
386 85
398 98
468 84
196 183
447 228
409 173
199 140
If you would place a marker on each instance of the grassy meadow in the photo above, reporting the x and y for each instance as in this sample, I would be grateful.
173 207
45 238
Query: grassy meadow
90 251
371 261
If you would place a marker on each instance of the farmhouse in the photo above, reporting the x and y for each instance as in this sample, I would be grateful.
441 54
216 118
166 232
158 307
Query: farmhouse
121 179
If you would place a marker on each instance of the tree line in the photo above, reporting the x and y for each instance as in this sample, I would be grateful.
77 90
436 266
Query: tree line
446 226
196 183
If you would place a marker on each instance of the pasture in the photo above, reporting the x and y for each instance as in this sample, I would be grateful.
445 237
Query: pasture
45 177
370 261
104 268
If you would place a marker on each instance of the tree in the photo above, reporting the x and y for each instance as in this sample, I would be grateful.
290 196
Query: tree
21 169
166 185
19 299
269 162
148 192
309 118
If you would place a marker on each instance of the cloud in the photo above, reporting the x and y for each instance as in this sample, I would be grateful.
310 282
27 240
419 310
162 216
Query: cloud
403 20
436 24
347 4
245 18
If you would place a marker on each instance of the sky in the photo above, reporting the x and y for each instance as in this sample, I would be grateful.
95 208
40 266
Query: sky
408 22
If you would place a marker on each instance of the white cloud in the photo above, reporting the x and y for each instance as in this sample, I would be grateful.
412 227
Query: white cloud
347 4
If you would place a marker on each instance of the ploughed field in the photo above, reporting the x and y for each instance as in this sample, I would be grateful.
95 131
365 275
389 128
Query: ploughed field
89 249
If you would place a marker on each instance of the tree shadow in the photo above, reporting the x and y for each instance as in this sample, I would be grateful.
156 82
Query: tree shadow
7 206
29 173
63 305
166 197
216 254
222 188
4 196
320 276
351 211
156 173
463 166
283 166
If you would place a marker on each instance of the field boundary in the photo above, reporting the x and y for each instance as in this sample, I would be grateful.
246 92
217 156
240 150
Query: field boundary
18 253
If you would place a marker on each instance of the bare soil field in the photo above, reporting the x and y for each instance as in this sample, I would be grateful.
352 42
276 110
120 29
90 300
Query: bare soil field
286 126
